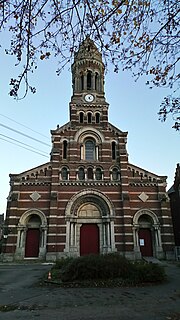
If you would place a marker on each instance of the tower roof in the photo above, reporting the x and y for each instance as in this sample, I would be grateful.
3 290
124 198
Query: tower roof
88 50
88 74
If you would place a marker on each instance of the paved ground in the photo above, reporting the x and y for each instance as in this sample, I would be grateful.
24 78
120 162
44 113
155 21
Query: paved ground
17 287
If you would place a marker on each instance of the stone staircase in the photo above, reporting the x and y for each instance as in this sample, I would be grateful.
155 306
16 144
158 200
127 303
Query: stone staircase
152 260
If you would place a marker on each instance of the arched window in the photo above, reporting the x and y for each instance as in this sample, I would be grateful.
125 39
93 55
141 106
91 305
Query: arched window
89 117
90 173
64 173
73 84
81 174
64 149
113 150
115 174
89 80
133 172
82 82
89 150
98 174
96 81
81 117
97 117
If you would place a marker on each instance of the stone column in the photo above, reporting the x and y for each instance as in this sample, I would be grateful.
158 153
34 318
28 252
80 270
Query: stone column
108 236
112 236
97 153
136 242
42 249
85 81
20 236
81 152
71 234
158 243
67 236
44 236
104 237
94 174
20 247
85 174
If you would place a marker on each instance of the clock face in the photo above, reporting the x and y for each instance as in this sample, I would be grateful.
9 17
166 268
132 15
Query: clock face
89 98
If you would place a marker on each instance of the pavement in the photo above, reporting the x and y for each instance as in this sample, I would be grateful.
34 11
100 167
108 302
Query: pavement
25 299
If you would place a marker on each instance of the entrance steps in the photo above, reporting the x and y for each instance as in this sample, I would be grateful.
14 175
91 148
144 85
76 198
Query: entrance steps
152 260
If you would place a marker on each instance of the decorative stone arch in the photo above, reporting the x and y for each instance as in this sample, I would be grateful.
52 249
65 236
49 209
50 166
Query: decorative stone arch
148 212
64 173
147 220
89 207
38 221
97 115
113 149
91 132
114 172
23 219
81 197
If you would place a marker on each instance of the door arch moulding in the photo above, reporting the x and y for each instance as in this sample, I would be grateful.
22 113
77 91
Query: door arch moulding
155 228
22 228
102 214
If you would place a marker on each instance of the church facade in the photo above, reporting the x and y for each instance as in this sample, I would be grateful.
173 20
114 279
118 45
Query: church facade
88 198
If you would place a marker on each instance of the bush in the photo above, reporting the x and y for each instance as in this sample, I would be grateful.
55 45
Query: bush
109 267
90 267
62 263
149 272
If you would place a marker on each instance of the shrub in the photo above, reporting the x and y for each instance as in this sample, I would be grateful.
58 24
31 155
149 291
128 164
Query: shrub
109 267
149 272
62 263
89 267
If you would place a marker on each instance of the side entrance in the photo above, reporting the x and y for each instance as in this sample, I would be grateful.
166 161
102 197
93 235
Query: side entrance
145 242
32 243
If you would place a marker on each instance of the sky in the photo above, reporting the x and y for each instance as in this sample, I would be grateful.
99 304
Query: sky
133 107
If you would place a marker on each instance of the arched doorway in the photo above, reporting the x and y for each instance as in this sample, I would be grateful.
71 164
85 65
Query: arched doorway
147 235
32 237
90 224
89 230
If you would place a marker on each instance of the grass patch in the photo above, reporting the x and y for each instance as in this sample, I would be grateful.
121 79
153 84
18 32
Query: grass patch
7 308
110 270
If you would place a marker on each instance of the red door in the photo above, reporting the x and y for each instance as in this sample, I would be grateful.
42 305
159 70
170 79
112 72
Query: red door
32 243
89 239
145 242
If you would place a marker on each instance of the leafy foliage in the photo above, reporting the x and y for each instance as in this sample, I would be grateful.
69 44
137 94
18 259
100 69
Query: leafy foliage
138 35
96 267
170 105
149 272
110 267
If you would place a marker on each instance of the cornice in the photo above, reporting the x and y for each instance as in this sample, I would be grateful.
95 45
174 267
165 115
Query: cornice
143 184
89 183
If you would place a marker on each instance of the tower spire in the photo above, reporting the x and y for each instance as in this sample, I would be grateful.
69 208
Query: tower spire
88 71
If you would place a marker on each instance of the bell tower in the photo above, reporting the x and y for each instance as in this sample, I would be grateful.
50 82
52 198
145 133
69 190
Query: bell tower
88 84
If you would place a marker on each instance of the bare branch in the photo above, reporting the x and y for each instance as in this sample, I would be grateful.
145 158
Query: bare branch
137 35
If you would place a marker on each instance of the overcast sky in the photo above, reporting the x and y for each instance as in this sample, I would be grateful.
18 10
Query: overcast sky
152 145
